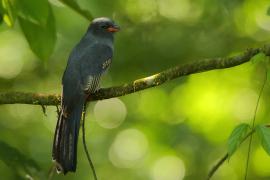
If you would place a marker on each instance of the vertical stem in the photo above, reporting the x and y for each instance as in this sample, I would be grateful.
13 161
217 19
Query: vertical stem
253 123
85 146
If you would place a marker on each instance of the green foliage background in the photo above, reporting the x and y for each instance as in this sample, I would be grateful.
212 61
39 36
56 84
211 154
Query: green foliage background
171 132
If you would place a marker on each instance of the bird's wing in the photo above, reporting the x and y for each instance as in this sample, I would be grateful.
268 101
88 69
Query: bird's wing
91 83
93 64
72 90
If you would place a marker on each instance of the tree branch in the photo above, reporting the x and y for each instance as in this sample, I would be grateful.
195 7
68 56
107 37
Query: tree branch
140 84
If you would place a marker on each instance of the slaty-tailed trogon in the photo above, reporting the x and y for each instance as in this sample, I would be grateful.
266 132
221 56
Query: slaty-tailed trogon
89 59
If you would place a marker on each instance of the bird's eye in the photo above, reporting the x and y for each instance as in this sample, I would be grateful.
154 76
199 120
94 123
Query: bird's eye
104 26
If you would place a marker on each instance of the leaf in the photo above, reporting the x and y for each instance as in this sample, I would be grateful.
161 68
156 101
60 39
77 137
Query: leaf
40 38
237 137
258 58
36 11
17 161
1 12
268 11
9 14
264 134
74 5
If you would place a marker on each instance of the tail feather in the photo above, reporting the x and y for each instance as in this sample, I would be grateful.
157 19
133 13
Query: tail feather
66 138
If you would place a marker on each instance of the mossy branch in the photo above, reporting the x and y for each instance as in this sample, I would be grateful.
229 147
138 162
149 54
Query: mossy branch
140 84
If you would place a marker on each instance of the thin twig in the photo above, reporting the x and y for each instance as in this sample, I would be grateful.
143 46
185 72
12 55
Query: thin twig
253 122
58 111
216 166
225 157
52 171
43 107
85 146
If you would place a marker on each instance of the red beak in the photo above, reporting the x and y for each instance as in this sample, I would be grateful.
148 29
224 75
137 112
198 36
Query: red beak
113 29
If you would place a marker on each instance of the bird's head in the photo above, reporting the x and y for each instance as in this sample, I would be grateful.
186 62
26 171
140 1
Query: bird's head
103 26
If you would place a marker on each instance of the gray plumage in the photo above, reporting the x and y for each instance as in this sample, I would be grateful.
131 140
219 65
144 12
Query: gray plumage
87 62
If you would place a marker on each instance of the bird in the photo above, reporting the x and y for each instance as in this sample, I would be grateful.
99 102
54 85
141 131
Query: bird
87 62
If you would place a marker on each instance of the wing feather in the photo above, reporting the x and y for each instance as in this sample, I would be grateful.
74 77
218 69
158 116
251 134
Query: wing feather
93 65
92 84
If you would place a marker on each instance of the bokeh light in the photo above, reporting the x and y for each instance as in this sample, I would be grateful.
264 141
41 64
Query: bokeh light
252 18
206 101
261 162
244 105
168 168
110 113
128 149
183 10
11 63
140 10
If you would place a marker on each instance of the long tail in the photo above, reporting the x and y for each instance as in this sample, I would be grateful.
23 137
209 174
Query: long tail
66 138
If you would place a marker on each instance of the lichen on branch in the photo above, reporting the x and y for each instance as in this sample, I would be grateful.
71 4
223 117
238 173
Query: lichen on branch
140 84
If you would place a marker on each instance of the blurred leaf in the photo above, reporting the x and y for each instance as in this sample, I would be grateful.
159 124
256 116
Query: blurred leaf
40 38
13 158
236 137
264 134
9 14
258 58
36 11
74 5
268 11
1 12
